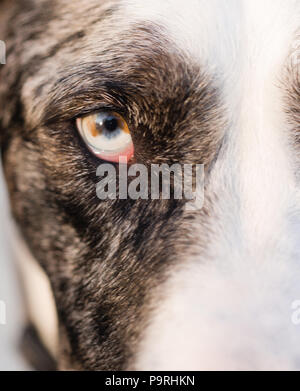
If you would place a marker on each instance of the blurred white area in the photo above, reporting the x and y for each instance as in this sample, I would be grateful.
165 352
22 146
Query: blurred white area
10 333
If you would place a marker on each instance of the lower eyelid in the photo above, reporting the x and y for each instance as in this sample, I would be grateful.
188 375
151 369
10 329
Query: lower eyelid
115 158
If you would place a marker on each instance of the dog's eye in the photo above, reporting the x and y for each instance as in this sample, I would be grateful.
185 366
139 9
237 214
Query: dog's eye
107 135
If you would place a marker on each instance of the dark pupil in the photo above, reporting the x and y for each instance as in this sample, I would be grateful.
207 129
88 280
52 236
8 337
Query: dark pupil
111 124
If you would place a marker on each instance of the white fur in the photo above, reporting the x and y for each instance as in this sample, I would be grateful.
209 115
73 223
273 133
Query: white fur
230 307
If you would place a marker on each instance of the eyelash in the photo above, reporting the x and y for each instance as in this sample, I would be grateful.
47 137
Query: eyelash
91 109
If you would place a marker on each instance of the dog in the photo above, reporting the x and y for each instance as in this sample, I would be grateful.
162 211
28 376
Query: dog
149 284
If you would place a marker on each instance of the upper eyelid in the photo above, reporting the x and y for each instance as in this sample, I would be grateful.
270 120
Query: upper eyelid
80 111
63 106
86 111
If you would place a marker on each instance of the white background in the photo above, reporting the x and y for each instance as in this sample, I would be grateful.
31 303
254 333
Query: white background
10 334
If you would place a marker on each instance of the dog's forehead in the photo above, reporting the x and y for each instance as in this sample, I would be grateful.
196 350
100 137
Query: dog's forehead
227 39
198 27
215 32
220 32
